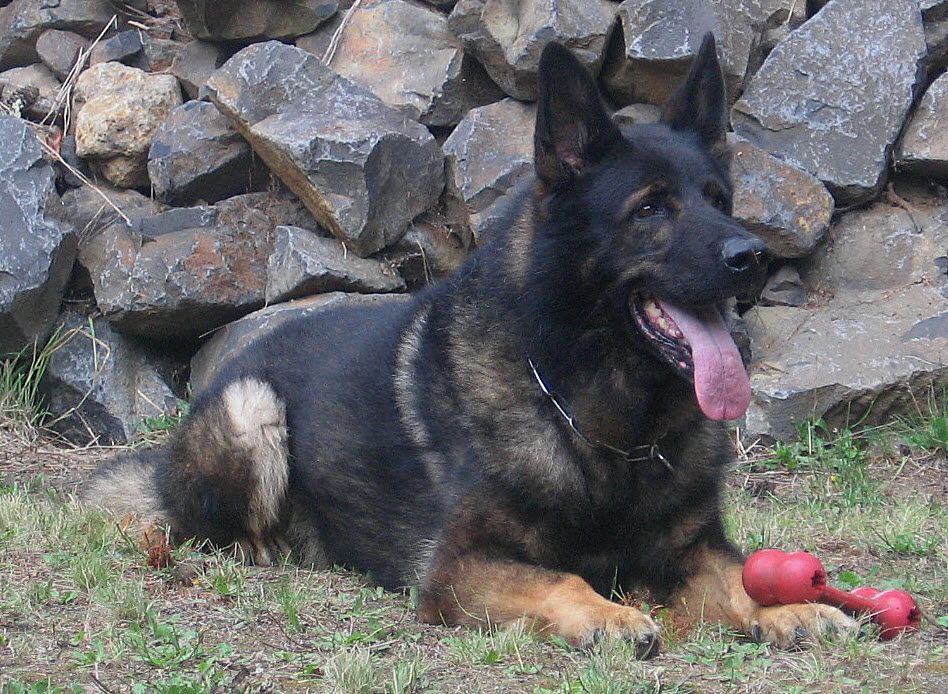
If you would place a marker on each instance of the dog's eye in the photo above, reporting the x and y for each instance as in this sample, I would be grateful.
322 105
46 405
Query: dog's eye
645 210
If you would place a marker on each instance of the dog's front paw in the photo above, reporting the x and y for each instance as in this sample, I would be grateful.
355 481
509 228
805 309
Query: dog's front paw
790 626
588 625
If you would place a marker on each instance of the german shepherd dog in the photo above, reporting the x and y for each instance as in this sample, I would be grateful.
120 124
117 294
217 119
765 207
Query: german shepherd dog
526 435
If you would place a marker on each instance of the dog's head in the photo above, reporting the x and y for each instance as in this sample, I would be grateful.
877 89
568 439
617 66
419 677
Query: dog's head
646 213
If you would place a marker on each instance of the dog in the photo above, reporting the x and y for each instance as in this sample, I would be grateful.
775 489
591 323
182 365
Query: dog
528 435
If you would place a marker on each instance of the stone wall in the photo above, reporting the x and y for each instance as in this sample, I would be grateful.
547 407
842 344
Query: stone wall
174 178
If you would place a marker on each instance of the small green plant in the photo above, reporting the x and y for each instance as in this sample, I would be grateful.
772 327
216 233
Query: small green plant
352 672
154 430
20 376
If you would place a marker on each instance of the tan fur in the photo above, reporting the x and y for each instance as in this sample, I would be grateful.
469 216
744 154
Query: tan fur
715 593
258 419
125 488
554 603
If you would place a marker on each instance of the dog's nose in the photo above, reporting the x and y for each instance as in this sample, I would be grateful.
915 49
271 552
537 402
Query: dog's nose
744 253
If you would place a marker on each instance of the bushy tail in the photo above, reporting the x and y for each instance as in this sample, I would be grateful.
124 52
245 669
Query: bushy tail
126 484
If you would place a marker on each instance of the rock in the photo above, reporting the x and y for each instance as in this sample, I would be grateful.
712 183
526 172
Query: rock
637 114
784 288
89 213
659 39
195 63
491 150
124 47
23 21
36 77
428 251
36 249
832 97
59 50
182 283
788 208
235 337
507 36
118 109
935 18
100 385
254 20
158 54
196 154
874 330
363 169
303 264
924 148
408 57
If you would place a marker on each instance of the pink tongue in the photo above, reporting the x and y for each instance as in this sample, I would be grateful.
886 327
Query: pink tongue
720 379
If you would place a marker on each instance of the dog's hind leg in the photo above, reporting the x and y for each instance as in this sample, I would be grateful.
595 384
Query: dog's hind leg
229 472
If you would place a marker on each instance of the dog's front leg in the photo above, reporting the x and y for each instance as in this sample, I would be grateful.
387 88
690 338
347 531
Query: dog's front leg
480 591
714 592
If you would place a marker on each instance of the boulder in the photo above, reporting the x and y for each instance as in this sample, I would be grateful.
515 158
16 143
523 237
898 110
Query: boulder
86 209
507 36
254 20
874 329
36 249
32 77
196 154
831 99
362 168
158 54
101 385
637 114
195 63
408 57
123 47
491 150
117 110
659 39
924 148
302 264
23 21
788 208
183 276
237 336
59 50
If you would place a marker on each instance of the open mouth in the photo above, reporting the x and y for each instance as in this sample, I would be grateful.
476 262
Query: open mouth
697 344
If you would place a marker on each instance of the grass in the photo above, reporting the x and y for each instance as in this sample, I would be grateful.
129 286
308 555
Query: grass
82 610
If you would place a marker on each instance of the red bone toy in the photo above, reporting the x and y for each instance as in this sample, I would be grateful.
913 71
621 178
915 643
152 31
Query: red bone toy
772 577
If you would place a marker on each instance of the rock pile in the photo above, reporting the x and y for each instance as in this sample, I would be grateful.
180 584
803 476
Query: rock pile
175 179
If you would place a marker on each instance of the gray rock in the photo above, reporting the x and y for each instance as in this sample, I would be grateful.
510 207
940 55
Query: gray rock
158 54
303 264
36 250
924 148
118 109
491 150
832 97
508 36
429 250
182 283
233 338
875 330
363 169
100 385
195 64
408 57
787 207
935 17
637 114
89 213
124 47
784 288
38 77
196 154
59 50
23 21
661 37
254 20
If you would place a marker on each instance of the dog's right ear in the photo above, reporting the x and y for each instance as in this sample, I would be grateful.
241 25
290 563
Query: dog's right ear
573 129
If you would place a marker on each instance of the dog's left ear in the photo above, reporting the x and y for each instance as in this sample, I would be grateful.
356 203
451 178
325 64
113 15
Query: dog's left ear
699 104
573 130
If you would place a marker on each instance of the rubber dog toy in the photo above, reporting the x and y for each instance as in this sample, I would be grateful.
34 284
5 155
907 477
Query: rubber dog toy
772 577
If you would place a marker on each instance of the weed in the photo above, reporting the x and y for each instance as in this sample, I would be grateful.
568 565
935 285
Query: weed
352 672
406 675
20 376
